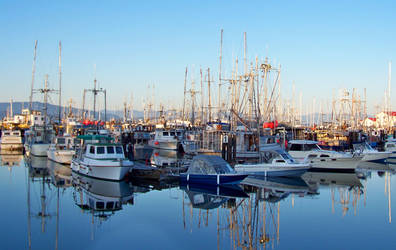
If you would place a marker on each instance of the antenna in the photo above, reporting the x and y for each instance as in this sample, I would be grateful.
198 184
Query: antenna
33 72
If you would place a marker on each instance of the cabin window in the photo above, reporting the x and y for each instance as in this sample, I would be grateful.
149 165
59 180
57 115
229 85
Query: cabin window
110 205
6 133
100 205
92 150
324 155
100 150
61 141
296 147
110 150
172 133
165 133
15 133
76 141
35 118
119 150
312 156
309 147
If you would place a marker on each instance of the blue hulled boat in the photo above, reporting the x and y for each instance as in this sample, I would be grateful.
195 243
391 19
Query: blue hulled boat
210 170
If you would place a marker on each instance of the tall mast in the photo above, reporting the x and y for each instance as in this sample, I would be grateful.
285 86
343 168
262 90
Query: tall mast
244 53
209 101
60 82
202 98
33 72
184 97
220 61
389 93
94 96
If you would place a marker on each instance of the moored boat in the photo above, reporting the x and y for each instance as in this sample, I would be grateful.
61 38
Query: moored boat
101 158
323 160
274 162
11 140
62 149
210 170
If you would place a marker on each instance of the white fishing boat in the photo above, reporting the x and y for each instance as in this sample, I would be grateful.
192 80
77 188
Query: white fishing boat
390 147
100 158
274 162
62 149
11 140
37 140
322 160
370 154
167 139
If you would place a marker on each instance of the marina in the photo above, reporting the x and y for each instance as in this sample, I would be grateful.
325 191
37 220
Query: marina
197 125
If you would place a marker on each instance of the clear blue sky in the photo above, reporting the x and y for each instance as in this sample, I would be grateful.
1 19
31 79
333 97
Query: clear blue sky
322 45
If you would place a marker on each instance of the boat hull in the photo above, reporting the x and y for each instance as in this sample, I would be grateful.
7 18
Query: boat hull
39 149
107 170
168 145
272 170
212 179
60 156
343 165
379 157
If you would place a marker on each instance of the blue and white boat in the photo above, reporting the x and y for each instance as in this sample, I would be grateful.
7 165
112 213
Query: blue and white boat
210 170
275 161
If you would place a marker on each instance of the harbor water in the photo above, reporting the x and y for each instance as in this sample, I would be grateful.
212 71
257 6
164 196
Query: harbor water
46 206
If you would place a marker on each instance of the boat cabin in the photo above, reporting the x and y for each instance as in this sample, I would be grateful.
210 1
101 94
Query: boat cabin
275 154
168 134
6 133
209 164
104 151
303 145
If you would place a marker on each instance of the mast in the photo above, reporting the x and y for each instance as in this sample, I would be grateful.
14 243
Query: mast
202 98
220 61
209 101
184 97
94 93
33 72
60 83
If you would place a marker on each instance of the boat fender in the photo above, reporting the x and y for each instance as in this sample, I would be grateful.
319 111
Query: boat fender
188 177
218 179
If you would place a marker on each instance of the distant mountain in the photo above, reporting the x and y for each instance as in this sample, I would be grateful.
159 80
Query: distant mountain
53 110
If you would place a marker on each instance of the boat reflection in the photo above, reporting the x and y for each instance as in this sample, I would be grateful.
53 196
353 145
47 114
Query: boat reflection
101 198
346 185
274 189
251 221
210 197
60 174
11 160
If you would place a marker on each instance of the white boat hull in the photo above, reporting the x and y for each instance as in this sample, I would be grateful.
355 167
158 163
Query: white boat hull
335 164
101 169
272 170
60 156
168 145
39 149
379 157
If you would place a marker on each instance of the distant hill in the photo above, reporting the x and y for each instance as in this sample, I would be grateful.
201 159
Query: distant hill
53 110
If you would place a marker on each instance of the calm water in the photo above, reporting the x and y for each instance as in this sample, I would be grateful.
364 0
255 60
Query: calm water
44 206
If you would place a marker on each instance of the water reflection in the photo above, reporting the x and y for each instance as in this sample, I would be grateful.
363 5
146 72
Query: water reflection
257 214
100 198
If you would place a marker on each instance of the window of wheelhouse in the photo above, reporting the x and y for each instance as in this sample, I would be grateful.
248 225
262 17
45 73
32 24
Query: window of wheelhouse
110 149
92 149
119 150
172 133
100 150
296 147
165 133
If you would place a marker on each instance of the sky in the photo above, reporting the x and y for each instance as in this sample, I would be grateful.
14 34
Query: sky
322 46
